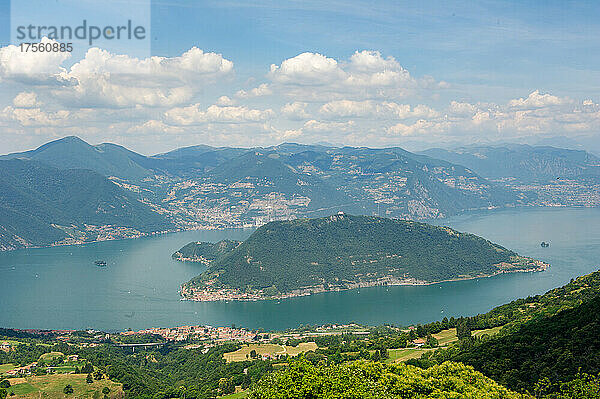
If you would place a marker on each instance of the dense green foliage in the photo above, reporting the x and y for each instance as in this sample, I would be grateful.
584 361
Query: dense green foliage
36 198
362 380
168 372
339 250
205 251
555 347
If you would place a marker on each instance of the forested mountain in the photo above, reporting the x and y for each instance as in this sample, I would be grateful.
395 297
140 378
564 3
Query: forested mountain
205 252
545 340
522 162
556 347
345 251
73 153
42 205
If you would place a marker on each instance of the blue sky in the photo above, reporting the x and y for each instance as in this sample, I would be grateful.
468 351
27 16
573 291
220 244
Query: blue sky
506 44
480 71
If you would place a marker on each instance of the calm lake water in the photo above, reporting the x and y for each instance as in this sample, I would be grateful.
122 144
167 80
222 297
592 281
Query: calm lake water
61 288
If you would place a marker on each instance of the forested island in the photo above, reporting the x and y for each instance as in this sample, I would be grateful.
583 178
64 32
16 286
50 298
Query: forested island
304 256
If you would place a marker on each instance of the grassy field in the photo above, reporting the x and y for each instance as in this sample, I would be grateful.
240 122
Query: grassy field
489 331
6 367
446 337
47 357
404 354
268 349
51 387
237 395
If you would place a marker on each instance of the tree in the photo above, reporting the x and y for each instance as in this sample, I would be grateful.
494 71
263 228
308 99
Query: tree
376 356
431 342
3 393
68 389
5 384
88 368
226 386
253 354
106 390
463 330
89 379
98 375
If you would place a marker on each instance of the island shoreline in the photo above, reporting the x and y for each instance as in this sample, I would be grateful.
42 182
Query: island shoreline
238 296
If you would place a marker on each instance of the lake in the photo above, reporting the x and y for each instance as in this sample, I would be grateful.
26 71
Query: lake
61 288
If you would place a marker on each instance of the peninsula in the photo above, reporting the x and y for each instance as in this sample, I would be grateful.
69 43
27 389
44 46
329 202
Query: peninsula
300 257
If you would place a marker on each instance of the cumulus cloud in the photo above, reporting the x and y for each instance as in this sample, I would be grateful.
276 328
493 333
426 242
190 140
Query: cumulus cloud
366 99
295 111
372 109
106 79
262 90
32 67
33 117
154 126
538 100
366 75
26 99
307 69
324 127
225 101
216 114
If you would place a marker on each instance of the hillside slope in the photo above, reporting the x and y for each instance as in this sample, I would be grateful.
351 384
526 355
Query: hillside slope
522 162
41 205
344 251
73 153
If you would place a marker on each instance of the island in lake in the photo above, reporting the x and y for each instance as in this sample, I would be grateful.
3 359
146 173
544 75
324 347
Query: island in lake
299 257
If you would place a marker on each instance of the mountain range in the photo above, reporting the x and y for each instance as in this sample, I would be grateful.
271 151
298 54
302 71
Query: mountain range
522 162
208 187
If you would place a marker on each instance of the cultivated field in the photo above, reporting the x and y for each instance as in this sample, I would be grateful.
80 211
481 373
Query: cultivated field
268 349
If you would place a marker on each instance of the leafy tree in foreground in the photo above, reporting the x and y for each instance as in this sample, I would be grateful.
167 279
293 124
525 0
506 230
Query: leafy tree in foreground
364 380
68 389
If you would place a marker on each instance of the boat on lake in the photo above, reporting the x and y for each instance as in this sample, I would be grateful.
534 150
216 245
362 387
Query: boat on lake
100 263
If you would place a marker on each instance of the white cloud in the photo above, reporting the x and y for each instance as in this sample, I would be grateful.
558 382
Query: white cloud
308 69
225 101
372 109
110 80
26 99
367 99
367 75
462 108
30 117
216 114
537 100
32 67
261 90
154 126
315 126
295 111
